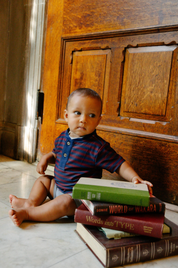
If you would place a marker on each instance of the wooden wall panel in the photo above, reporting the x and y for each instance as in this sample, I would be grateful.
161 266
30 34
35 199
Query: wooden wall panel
146 73
154 160
90 68
88 16
146 82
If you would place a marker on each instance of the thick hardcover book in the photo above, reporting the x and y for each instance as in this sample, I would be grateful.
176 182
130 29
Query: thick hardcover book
111 191
143 224
117 252
101 208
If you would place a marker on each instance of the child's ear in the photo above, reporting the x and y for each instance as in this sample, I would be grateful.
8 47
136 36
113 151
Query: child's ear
66 115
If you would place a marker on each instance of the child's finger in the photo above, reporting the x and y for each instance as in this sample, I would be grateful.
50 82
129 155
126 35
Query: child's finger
148 183
143 181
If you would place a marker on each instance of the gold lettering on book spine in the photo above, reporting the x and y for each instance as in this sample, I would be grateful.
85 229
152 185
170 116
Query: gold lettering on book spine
151 208
147 229
93 220
125 225
109 223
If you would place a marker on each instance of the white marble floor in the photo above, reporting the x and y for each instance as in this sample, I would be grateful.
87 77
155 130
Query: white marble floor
45 244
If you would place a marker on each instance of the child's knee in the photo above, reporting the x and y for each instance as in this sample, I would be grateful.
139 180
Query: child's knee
69 204
67 199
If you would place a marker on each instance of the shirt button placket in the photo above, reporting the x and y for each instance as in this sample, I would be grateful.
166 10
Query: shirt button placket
65 154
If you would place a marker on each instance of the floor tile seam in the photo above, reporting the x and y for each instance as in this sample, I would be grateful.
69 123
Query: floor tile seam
19 180
14 167
7 165
26 172
21 170
2 202
68 257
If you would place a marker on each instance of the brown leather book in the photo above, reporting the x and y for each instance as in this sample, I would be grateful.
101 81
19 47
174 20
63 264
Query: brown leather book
117 252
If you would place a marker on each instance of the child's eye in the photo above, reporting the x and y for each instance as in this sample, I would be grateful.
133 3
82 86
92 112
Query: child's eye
92 115
77 112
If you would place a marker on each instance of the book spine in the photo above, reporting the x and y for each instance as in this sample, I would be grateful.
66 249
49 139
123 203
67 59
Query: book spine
111 195
122 223
142 252
118 209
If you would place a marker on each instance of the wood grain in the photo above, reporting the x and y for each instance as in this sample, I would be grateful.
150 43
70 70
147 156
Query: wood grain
93 44
88 16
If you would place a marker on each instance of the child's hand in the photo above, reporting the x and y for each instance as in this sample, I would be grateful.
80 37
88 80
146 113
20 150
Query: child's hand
41 167
43 163
149 184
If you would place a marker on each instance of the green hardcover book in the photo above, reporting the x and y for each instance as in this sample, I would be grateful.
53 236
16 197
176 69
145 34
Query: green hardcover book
111 191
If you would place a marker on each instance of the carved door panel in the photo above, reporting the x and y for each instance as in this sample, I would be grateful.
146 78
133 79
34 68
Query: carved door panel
135 73
90 68
137 85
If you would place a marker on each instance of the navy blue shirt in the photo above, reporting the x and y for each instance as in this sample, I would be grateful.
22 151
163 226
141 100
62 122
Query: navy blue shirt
82 157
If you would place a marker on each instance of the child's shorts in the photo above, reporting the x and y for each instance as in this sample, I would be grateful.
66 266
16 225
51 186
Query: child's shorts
57 192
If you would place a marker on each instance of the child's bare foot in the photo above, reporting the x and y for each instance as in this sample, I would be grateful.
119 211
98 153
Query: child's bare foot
18 202
18 216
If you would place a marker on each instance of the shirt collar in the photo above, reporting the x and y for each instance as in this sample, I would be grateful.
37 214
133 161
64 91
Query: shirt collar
82 138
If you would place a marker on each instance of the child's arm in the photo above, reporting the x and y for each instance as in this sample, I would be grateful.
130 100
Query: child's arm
129 174
45 160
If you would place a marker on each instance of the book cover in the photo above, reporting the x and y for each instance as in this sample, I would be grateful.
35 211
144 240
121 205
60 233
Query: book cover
101 208
143 224
111 191
117 252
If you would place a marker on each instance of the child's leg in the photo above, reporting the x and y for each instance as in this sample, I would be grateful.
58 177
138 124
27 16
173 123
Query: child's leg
60 206
42 188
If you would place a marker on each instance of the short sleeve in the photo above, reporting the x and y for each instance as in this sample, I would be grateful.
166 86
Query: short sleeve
108 159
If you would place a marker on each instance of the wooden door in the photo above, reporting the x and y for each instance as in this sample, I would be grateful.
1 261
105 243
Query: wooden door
129 56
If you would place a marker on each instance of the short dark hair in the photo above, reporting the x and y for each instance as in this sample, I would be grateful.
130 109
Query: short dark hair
85 92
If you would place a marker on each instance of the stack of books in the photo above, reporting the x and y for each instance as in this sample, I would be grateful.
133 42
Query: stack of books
116 209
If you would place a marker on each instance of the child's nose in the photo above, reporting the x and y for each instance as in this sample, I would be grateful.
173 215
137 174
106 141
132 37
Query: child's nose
83 118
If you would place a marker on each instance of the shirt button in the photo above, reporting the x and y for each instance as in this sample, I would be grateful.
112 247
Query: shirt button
65 155
68 143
